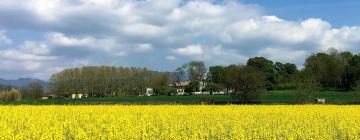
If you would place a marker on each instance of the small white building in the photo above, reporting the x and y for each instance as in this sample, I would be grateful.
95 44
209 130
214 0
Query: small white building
149 92
180 87
78 96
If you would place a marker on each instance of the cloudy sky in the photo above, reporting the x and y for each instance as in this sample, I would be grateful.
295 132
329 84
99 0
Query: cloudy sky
40 37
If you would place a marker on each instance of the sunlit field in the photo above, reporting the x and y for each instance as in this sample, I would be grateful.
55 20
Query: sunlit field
180 122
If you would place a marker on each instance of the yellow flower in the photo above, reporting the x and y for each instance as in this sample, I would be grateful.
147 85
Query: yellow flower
171 122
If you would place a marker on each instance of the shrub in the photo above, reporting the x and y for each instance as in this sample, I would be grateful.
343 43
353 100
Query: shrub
11 95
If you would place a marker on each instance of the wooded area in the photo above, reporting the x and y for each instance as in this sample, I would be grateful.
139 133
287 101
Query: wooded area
108 81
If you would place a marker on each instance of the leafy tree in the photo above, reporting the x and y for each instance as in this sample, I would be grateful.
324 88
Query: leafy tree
216 74
354 71
247 82
285 75
307 84
193 86
327 69
229 79
33 90
345 58
212 87
179 74
196 71
215 79
266 66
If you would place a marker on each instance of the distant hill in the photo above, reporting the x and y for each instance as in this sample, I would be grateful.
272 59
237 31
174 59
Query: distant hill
22 82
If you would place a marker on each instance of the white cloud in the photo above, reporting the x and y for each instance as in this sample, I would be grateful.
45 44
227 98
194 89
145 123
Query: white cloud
218 55
143 48
62 40
4 39
284 55
35 48
170 57
190 50
119 32
22 56
142 29
345 38
109 44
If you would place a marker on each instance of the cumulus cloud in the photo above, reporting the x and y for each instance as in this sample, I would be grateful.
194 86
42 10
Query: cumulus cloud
190 50
143 48
170 57
4 39
133 32
284 55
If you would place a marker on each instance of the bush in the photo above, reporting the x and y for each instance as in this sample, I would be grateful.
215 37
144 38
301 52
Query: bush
11 95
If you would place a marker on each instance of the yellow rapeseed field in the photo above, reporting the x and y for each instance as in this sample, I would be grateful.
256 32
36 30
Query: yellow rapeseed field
180 122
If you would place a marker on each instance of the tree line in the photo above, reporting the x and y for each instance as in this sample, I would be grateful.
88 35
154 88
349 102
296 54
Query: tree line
108 81
33 90
331 70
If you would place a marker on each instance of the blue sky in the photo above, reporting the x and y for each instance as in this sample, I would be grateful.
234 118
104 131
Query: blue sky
42 37
337 12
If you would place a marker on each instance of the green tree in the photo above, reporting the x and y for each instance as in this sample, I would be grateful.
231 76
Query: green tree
354 71
196 71
266 66
215 79
193 86
345 58
33 90
216 74
213 87
285 75
247 82
306 84
327 69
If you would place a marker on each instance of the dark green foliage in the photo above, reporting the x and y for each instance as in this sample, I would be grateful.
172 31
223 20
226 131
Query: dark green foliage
247 82
269 97
328 69
306 84
266 67
192 87
285 74
213 87
354 72
216 74
334 70
215 79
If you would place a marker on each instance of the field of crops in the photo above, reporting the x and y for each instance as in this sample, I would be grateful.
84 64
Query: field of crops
180 122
